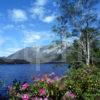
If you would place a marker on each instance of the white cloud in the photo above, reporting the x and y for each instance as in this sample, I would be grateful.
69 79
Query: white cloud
8 46
49 19
38 12
18 15
13 50
31 37
38 9
9 51
4 53
40 2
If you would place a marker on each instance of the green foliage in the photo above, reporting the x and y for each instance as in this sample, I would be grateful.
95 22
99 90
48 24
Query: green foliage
74 56
80 84
84 82
44 88
76 20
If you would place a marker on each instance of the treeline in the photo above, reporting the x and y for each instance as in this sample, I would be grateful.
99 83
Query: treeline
12 61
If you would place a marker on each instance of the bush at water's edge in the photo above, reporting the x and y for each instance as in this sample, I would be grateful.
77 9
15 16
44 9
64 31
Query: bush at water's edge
80 84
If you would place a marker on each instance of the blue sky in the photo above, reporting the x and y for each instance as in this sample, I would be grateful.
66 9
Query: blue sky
25 23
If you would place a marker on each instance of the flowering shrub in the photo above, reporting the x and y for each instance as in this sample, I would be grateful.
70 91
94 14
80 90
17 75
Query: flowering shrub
44 88
84 82
25 86
80 84
25 97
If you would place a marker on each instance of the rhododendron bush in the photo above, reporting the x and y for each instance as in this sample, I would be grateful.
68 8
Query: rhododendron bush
44 88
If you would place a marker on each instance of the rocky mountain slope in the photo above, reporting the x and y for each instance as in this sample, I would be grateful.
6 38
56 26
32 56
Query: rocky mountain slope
45 54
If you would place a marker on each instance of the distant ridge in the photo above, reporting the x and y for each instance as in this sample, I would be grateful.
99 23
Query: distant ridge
45 54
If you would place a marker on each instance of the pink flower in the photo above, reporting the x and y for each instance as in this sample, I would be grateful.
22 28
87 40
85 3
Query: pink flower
42 92
40 99
10 88
49 81
56 78
25 86
70 94
25 97
45 98
42 80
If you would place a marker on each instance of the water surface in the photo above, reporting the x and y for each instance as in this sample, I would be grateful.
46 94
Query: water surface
25 72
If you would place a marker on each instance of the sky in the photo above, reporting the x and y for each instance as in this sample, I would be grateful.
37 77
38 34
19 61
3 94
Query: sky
25 23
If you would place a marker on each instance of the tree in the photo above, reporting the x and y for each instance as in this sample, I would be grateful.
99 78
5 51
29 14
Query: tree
78 18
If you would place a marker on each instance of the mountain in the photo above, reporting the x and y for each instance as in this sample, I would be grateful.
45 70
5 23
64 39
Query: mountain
45 54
